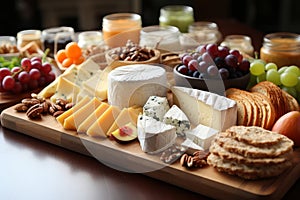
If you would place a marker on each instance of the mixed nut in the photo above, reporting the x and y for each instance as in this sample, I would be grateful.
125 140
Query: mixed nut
132 52
35 107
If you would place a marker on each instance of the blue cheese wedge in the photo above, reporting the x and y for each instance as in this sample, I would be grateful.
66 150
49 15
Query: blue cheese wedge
202 135
154 136
176 117
156 107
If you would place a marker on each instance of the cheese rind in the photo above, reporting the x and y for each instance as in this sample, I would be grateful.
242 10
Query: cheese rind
156 107
176 117
154 136
202 135
202 107
133 84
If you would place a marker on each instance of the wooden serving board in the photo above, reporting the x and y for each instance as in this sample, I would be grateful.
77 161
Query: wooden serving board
130 158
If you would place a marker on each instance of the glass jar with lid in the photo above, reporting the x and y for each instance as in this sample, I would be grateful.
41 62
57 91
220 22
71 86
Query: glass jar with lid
118 28
282 48
87 39
161 37
242 43
201 32
180 16
57 38
27 36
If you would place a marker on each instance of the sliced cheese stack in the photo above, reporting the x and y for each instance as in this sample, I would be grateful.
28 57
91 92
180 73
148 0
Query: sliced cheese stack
133 84
209 109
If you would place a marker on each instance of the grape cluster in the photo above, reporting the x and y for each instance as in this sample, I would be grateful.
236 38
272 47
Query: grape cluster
213 61
32 74
287 77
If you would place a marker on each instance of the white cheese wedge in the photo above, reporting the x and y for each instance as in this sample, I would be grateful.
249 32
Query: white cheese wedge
202 135
154 136
156 107
191 146
133 84
202 107
176 117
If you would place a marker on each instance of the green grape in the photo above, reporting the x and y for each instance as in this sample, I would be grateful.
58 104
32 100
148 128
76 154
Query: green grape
269 66
288 79
291 90
298 85
282 69
273 76
293 69
261 78
257 68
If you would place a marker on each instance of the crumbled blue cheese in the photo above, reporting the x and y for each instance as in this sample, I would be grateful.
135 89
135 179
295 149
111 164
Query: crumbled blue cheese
176 117
156 107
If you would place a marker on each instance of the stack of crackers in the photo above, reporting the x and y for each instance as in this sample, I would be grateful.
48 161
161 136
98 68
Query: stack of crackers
251 152
262 105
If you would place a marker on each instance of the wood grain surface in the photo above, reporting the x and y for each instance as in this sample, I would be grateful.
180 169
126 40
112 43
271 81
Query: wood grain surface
130 158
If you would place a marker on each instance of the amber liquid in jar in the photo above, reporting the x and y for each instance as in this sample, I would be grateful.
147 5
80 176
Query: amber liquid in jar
281 48
118 28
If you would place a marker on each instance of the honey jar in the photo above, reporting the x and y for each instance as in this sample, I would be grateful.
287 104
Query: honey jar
118 28
242 43
281 48
26 36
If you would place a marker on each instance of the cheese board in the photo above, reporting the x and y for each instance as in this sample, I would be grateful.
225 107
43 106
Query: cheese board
130 158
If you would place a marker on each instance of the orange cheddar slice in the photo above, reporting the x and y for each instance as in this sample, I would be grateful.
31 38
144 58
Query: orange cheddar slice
126 116
100 127
74 120
85 125
61 118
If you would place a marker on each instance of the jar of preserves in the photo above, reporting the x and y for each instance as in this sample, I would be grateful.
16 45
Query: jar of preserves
87 39
281 48
57 38
161 37
118 28
177 15
242 43
27 36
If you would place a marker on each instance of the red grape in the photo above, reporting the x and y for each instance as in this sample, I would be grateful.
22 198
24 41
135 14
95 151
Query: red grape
203 67
50 77
244 65
201 49
224 73
207 58
183 69
1 88
186 59
212 49
23 77
8 83
36 59
15 69
4 72
26 64
36 65
17 88
33 84
231 60
42 81
193 65
212 70
34 74
223 51
46 68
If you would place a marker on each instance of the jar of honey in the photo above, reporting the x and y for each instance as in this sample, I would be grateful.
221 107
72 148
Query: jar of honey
87 39
281 48
118 28
179 16
27 36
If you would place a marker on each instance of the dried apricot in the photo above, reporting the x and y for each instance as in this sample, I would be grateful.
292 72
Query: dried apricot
79 60
61 55
67 62
73 50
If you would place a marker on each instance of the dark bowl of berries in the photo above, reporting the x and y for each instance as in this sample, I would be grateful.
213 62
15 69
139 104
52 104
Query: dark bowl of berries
213 68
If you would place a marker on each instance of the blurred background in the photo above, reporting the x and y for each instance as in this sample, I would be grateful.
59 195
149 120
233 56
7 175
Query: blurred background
266 16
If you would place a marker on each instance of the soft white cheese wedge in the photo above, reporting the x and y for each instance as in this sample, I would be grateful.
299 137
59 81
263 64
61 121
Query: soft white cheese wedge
202 107
154 136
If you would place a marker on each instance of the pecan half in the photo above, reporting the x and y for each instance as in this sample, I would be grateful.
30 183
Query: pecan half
34 112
